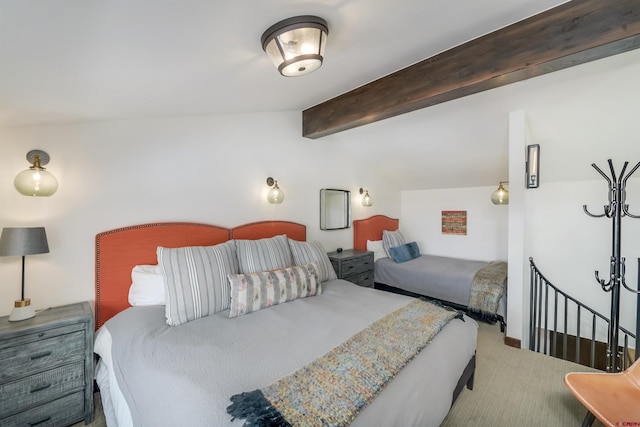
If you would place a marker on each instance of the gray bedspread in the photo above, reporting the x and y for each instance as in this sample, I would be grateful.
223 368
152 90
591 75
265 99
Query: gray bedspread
444 278
185 375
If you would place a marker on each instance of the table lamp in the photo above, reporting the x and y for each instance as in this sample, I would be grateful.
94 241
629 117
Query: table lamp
22 241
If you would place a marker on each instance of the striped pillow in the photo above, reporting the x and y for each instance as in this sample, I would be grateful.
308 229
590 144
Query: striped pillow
255 291
392 239
306 252
196 280
264 254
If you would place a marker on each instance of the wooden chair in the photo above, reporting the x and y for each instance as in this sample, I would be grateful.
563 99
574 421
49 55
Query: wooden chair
614 398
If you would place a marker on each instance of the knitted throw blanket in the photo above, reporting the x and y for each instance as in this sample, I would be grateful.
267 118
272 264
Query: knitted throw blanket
487 288
334 388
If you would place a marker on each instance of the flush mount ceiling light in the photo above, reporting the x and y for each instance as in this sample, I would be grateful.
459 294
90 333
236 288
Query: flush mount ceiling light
296 45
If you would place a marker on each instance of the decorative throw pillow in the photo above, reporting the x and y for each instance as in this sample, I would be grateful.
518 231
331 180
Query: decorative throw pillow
147 286
391 239
255 291
376 247
196 280
306 252
264 254
405 252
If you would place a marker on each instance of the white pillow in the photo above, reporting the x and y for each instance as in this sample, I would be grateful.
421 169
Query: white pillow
147 286
376 247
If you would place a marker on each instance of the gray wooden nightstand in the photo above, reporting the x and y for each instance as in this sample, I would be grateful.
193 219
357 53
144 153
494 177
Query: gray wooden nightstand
353 265
46 368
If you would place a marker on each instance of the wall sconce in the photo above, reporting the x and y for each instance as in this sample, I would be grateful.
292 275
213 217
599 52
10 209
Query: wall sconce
275 195
296 45
500 196
36 181
533 166
21 242
367 201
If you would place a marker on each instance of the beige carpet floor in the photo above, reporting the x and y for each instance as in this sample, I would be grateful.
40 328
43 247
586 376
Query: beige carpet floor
513 387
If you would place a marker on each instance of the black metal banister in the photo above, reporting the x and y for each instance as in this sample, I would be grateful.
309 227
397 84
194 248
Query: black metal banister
541 290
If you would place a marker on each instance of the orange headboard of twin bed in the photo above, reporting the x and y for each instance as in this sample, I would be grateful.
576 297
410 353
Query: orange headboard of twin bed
371 229
119 250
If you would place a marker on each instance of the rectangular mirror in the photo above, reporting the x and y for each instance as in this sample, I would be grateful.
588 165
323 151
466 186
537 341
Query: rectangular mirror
335 209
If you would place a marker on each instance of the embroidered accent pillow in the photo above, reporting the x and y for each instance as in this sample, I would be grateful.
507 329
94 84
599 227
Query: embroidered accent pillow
255 291
307 252
264 254
391 239
405 252
196 281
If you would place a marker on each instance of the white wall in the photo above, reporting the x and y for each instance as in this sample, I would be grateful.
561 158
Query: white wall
206 169
486 238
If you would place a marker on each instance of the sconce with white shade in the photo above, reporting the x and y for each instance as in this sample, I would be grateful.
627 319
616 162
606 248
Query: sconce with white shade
22 241
275 195
367 200
296 45
500 196
533 166
36 181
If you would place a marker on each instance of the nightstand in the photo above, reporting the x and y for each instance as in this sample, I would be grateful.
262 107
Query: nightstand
46 368
353 265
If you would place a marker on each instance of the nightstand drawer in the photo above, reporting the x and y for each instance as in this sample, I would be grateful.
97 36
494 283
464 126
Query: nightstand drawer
357 265
34 356
363 279
61 412
19 395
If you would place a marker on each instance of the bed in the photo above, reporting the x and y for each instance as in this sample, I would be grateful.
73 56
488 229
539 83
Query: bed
446 279
150 373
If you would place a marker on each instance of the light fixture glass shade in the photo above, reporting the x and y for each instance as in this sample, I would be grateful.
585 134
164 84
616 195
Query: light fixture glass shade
276 195
36 181
500 196
296 45
367 201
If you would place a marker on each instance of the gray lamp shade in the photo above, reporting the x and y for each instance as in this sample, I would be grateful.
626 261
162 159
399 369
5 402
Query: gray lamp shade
21 241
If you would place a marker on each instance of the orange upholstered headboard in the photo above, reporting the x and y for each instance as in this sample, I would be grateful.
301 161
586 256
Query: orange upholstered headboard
119 250
371 229
264 229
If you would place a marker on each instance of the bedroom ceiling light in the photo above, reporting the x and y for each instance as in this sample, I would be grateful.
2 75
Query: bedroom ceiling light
23 241
500 196
276 195
296 45
367 200
36 181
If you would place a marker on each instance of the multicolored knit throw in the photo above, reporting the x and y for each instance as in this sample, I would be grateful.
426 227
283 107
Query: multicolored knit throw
334 388
487 288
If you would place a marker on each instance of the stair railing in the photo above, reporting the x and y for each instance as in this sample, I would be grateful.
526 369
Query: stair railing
547 304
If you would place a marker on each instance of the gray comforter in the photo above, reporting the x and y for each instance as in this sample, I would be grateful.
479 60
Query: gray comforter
443 278
184 375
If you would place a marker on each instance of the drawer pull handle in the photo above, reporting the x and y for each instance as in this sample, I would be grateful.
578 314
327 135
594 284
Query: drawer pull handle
350 267
40 355
40 387
42 421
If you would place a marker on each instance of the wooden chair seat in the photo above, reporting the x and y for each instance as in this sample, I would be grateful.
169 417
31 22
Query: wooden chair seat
614 398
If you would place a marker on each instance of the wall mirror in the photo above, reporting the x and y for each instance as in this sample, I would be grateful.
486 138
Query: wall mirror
335 209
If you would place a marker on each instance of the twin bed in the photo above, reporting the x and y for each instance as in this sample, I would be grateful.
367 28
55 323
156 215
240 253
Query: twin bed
151 373
443 278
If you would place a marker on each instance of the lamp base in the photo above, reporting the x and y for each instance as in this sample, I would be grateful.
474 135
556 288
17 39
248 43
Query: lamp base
22 310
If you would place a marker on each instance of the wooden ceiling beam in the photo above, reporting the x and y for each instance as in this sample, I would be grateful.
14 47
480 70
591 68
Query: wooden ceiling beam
570 34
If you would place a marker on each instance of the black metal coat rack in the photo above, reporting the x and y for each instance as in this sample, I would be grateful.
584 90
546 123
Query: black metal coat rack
616 210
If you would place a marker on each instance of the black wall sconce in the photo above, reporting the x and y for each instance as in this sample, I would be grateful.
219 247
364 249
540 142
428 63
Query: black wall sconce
533 166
